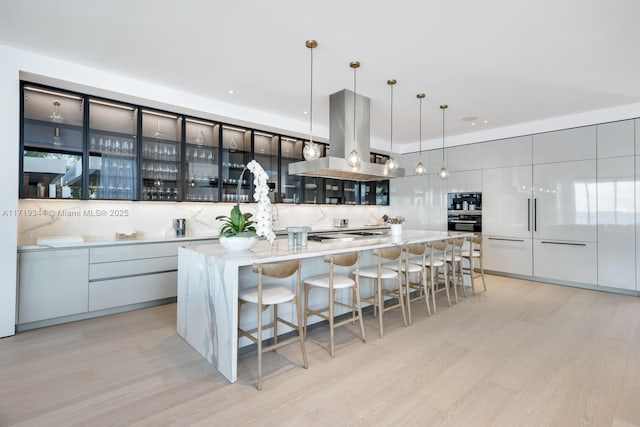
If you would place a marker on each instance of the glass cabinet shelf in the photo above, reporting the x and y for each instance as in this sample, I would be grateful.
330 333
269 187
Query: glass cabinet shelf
202 180
113 151
161 156
78 146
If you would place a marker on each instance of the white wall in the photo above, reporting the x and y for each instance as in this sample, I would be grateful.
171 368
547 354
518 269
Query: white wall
9 146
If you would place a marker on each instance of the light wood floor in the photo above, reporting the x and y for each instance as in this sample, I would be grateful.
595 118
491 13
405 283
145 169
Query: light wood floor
525 353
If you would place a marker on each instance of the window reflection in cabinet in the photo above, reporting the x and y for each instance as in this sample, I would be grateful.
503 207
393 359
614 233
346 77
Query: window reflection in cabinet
52 137
236 153
201 156
291 185
161 156
112 150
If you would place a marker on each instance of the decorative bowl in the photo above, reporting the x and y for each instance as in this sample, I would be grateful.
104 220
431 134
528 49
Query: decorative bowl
238 243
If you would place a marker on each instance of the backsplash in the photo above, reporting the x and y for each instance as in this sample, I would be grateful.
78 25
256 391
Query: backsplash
101 220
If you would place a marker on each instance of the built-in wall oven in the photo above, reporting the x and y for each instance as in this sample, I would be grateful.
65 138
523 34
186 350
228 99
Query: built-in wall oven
464 212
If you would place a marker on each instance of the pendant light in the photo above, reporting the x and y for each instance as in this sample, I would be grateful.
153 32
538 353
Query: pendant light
391 163
353 159
311 150
420 169
443 174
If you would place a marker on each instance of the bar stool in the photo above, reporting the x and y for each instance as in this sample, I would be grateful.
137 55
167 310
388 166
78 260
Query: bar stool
475 253
454 265
331 282
435 264
414 263
265 295
379 274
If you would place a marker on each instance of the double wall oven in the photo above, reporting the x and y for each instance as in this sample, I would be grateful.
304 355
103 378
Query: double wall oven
464 212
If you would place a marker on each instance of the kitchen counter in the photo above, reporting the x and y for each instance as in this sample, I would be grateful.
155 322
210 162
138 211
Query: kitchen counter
209 278
99 242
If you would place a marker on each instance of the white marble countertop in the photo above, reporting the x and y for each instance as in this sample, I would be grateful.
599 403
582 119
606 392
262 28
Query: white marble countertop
98 242
281 251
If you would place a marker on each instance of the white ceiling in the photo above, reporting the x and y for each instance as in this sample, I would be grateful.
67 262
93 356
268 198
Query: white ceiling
506 62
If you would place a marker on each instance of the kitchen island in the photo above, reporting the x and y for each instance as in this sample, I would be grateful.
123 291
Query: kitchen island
209 278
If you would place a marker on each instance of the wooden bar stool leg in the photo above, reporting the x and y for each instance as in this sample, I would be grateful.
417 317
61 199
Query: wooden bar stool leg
303 348
408 292
380 304
446 283
425 289
259 344
307 291
332 294
401 299
359 309
275 324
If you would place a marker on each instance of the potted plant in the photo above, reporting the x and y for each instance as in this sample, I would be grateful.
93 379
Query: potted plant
238 231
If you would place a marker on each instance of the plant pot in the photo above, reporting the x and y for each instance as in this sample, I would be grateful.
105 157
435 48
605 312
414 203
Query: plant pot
238 243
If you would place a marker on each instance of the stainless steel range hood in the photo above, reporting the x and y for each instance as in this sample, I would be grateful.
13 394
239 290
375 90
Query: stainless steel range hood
341 143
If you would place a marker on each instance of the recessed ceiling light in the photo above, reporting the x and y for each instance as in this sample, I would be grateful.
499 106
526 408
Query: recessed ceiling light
486 121
306 112
473 124
231 91
469 119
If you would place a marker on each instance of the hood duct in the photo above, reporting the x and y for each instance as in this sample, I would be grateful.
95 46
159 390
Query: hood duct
341 142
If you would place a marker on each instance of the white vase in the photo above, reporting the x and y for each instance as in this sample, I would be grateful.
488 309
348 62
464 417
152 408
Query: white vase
396 229
238 243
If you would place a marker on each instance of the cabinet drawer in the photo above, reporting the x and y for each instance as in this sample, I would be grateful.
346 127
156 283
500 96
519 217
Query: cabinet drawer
106 270
568 261
132 252
511 255
131 290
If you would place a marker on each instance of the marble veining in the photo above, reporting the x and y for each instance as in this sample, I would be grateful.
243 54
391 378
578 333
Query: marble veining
208 283
56 217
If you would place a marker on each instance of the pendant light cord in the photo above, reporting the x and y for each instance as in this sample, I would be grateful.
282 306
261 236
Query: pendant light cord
443 136
311 102
420 129
391 121
354 105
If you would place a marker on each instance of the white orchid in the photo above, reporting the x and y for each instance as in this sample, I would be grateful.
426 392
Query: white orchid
261 196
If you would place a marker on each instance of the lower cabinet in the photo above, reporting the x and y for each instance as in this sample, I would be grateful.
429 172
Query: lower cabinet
510 255
131 290
566 261
57 283
52 283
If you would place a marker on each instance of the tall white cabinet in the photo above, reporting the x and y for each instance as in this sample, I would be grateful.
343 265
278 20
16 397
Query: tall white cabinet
616 205
506 205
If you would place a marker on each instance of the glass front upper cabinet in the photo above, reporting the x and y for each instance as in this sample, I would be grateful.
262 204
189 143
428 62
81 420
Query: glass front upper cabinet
290 185
236 154
201 157
161 156
53 143
113 150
